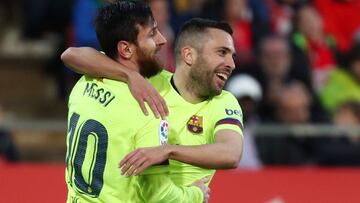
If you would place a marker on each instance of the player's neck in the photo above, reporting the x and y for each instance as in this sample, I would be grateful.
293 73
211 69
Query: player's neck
181 80
129 64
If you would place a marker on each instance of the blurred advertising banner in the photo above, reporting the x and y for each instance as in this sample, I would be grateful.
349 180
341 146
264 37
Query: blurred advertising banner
28 183
287 185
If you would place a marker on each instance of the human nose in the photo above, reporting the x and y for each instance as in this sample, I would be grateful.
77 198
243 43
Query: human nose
229 62
161 40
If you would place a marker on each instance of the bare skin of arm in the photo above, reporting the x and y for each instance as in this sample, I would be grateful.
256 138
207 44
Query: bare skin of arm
225 153
86 60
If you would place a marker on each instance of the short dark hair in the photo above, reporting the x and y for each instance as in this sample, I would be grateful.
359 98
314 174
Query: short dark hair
118 21
192 32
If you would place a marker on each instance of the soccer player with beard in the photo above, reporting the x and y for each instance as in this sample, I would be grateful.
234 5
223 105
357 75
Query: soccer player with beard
205 121
106 123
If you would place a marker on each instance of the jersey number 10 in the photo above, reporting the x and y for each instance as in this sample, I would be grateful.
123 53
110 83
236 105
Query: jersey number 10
78 143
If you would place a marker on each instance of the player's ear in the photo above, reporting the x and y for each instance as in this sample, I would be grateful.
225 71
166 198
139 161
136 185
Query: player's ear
189 55
124 49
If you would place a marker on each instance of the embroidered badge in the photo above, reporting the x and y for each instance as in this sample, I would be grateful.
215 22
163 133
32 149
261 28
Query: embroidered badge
195 124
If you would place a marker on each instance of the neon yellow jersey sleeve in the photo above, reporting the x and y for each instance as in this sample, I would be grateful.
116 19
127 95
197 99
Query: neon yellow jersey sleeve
158 188
227 113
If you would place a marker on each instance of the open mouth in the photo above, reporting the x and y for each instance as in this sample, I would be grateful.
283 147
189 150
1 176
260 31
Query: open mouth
222 76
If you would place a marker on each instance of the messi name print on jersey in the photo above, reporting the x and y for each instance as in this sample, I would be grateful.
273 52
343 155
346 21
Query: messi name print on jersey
195 124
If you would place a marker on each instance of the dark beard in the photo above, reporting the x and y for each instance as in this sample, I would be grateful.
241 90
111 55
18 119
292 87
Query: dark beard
201 80
148 66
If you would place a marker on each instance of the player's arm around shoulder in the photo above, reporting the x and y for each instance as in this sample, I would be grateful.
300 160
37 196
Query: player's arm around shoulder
89 61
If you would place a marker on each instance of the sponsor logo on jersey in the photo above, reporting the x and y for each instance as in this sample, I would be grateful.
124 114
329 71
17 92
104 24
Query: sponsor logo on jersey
231 112
163 132
195 124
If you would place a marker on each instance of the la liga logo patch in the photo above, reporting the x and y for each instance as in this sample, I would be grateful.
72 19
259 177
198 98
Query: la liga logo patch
163 132
195 124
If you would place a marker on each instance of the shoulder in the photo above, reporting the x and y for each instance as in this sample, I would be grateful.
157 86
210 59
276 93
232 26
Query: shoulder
79 85
161 81
226 105
225 97
163 76
105 91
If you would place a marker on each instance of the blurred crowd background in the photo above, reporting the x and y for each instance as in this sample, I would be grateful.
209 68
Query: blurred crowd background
297 77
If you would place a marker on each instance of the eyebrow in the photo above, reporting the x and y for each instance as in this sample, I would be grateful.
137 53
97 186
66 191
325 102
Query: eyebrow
155 25
227 49
153 29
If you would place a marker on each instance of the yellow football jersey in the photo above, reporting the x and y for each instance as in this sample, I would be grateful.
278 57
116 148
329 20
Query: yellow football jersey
104 124
196 124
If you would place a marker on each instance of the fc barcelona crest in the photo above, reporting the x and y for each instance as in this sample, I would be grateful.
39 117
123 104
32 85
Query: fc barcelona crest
195 124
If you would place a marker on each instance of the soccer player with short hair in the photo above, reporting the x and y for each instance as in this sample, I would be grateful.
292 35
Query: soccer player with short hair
208 121
205 121
106 123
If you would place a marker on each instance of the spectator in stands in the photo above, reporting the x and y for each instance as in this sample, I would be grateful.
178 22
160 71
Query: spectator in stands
8 151
46 25
239 14
42 16
294 108
248 92
343 150
160 9
341 18
84 14
183 10
274 71
356 36
38 32
343 84
312 46
281 15
274 67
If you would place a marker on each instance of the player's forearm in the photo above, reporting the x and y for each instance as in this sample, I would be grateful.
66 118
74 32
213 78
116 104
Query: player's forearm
160 189
212 156
89 61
